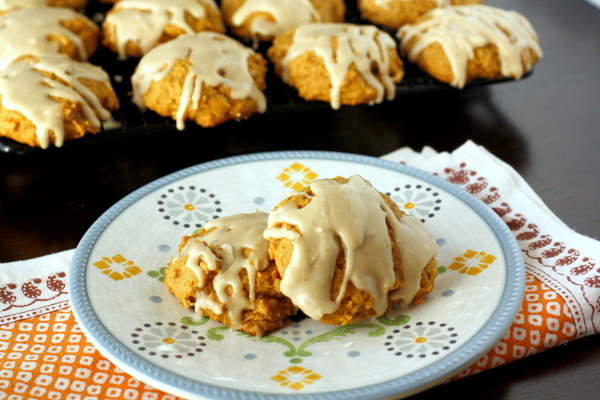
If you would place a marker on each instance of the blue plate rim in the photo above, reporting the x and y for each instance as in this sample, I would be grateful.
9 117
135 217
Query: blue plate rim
405 385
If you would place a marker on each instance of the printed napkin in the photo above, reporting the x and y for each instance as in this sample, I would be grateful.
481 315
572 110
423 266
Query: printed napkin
43 353
34 287
562 295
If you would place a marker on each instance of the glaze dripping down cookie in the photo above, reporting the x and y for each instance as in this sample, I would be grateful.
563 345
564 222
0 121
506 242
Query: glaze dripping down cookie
459 44
339 63
225 273
345 251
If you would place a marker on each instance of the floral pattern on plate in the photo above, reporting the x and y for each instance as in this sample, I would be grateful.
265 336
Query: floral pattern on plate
133 322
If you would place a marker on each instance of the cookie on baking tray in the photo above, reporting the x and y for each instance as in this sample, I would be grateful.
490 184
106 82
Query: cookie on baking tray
459 44
263 20
339 63
224 272
206 77
345 251
44 30
132 27
51 98
395 13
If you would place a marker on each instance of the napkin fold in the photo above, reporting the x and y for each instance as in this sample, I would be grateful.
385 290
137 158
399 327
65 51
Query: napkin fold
44 355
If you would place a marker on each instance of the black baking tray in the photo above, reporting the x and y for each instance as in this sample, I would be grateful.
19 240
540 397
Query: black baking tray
129 120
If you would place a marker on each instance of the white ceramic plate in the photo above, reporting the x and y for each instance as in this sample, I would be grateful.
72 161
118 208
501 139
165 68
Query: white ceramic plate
124 309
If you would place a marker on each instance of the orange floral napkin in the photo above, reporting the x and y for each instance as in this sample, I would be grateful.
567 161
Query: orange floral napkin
562 294
44 355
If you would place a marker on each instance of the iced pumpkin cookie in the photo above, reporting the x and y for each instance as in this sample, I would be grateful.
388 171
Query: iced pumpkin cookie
339 63
132 27
225 273
47 30
395 13
262 20
50 99
207 77
345 251
459 44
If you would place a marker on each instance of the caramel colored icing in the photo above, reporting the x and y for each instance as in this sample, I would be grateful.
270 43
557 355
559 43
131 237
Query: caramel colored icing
462 29
215 59
231 244
143 21
29 31
360 45
352 219
286 14
32 86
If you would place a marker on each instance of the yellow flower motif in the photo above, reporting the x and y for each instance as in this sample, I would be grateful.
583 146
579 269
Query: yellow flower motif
117 267
296 176
296 377
472 262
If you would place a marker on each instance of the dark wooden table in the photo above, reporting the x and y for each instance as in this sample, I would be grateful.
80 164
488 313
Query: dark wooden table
547 126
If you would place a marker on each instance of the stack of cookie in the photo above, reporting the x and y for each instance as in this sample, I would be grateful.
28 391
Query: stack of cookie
338 250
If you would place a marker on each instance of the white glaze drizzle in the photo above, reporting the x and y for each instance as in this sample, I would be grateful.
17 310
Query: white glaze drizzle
142 21
26 32
462 29
355 214
24 88
358 45
287 14
231 235
209 54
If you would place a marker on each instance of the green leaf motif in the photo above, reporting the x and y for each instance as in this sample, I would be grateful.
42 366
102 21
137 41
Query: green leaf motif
291 352
399 320
161 274
296 354
338 333
190 321
213 333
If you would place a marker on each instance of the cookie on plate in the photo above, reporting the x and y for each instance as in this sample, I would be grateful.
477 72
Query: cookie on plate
345 251
51 98
224 272
339 63
206 77
47 30
395 13
261 20
132 27
459 44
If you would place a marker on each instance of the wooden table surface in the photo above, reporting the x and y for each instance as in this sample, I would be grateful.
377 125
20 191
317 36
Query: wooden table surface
547 126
